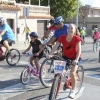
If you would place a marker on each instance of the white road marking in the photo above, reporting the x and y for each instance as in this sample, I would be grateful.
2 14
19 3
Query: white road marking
63 95
17 89
94 76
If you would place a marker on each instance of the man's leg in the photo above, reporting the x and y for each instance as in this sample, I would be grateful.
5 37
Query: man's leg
6 45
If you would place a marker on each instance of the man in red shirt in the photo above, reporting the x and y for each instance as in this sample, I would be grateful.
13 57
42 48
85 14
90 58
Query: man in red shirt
52 28
71 50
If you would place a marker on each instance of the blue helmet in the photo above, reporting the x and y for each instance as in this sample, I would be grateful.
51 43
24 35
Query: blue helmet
58 20
33 34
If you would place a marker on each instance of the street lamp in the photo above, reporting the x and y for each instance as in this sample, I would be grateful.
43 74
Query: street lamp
77 12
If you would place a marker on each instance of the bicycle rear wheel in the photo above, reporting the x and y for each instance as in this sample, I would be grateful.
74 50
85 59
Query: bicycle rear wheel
25 76
54 88
13 58
79 78
47 79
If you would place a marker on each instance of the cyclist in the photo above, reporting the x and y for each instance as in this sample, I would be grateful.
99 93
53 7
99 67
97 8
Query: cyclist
96 37
50 29
36 50
7 35
71 50
60 29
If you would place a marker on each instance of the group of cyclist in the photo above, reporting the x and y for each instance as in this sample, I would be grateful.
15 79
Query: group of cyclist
67 35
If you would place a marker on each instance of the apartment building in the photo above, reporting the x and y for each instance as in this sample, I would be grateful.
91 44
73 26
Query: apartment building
92 20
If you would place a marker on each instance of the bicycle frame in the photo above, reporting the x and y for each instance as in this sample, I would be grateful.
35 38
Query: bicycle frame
31 70
1 52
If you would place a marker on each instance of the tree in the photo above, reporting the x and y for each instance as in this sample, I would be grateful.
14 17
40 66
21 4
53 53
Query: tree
65 8
84 10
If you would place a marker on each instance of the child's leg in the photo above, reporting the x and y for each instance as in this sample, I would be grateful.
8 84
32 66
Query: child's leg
36 63
31 61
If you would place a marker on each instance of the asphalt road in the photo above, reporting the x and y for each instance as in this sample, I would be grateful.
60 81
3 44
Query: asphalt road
12 89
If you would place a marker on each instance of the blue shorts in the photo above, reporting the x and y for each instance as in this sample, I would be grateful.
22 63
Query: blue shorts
79 61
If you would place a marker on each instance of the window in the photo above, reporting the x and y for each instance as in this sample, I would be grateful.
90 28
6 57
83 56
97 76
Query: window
91 12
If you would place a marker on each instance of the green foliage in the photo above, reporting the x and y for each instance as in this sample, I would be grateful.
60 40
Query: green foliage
65 8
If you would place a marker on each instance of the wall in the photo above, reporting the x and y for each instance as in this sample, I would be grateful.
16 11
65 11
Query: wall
9 15
31 23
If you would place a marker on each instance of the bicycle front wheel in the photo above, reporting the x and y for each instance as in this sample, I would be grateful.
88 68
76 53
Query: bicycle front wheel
47 79
54 88
25 76
79 78
99 55
13 58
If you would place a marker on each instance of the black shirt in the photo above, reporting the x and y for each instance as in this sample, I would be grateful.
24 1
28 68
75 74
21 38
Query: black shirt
35 46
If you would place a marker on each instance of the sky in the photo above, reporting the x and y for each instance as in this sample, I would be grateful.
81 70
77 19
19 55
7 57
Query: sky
94 3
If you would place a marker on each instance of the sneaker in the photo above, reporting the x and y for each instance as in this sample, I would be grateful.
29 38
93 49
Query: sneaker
8 54
72 94
36 74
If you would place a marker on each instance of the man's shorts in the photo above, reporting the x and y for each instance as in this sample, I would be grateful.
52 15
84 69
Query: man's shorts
9 41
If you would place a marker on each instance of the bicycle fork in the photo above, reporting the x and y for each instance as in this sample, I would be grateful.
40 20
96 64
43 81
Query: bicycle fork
59 83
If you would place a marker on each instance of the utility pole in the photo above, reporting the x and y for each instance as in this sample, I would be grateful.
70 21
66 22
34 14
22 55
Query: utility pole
29 2
77 12
39 2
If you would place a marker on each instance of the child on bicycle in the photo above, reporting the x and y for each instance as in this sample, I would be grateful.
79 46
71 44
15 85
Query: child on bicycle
71 50
36 50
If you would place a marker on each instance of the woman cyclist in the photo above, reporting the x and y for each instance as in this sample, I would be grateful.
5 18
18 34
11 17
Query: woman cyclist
71 50
36 50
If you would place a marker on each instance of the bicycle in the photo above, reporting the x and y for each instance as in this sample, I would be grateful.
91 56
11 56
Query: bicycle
48 63
29 71
48 47
99 55
13 58
59 67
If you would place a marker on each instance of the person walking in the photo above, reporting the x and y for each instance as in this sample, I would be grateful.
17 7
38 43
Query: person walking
96 37
27 31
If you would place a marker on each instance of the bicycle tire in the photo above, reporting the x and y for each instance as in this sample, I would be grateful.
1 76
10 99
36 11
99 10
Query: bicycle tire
80 69
22 74
7 58
48 79
99 55
53 91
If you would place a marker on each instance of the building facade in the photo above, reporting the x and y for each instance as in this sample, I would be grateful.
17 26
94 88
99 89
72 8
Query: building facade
37 18
92 20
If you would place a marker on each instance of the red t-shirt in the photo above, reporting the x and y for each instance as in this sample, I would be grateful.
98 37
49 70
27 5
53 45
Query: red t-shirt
52 28
69 48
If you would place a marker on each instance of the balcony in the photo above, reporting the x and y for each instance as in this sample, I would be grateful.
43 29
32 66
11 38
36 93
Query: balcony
35 10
